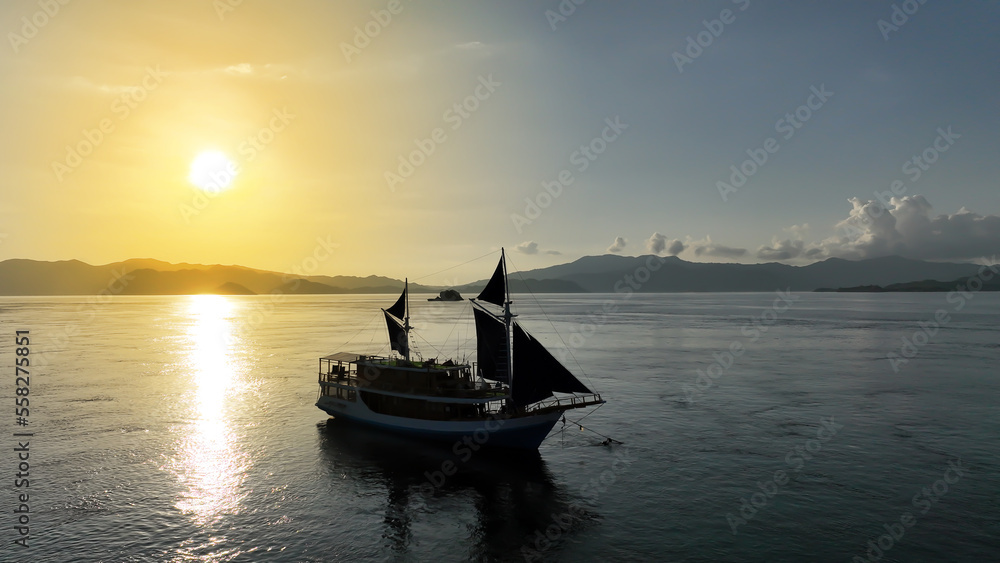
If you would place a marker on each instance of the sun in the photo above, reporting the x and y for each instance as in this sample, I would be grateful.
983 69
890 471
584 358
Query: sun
213 171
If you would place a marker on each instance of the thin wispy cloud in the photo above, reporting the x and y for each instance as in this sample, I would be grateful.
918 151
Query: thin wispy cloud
527 247
707 247
242 68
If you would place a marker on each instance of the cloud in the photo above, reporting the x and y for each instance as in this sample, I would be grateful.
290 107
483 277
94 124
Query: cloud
618 245
675 247
781 250
720 250
798 231
903 226
527 247
906 226
264 71
242 68
531 247
709 248
478 49
658 243
789 248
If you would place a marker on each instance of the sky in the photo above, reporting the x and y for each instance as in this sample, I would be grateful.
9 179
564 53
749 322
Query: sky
408 138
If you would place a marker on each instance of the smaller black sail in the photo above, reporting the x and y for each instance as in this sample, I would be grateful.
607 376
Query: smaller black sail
398 309
397 333
495 291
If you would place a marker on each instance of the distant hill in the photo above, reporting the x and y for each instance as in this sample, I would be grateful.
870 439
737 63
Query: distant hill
194 281
230 288
306 287
354 282
600 274
919 286
530 285
67 277
144 276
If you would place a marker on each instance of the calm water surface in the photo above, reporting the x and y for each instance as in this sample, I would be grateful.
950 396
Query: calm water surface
184 429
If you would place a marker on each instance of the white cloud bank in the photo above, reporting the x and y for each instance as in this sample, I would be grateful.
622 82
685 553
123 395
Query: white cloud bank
904 226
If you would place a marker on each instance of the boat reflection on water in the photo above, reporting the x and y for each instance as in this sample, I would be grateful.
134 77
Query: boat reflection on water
511 492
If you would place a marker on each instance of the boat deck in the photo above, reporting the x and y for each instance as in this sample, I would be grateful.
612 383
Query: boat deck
481 393
344 375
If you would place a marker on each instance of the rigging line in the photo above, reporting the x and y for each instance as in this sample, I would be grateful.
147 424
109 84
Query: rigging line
591 412
439 353
361 330
453 327
373 340
608 438
544 314
582 427
468 332
462 326
456 266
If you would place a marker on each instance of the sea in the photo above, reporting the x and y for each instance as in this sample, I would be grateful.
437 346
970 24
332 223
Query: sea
737 427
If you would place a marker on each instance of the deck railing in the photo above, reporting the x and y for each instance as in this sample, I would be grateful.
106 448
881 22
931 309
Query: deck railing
572 402
344 376
480 391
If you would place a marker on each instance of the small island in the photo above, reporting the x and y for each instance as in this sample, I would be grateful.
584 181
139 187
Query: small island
448 295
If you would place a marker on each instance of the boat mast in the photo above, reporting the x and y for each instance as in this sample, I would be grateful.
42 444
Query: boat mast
507 316
406 319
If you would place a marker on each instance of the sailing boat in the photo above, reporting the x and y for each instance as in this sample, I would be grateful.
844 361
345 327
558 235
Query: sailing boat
505 399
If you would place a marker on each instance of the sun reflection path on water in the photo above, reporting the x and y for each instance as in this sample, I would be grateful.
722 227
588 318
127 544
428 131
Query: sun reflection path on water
209 461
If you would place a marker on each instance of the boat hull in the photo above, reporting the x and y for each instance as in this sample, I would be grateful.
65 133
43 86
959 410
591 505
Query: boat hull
522 432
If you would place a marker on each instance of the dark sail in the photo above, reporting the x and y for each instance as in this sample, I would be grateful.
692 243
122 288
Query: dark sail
537 373
491 347
399 309
495 291
397 336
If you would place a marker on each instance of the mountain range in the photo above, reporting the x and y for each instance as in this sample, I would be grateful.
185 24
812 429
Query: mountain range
598 274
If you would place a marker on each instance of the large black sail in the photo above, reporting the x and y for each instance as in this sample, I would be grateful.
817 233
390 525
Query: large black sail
491 347
537 373
495 291
397 336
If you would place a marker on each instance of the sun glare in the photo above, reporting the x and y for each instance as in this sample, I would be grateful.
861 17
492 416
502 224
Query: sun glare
210 461
212 171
